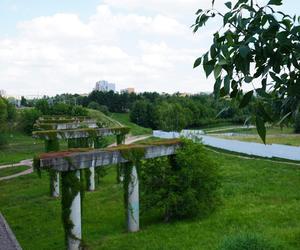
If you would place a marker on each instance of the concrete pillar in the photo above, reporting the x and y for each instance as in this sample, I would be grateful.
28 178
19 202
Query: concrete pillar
133 220
91 186
74 240
55 185
52 145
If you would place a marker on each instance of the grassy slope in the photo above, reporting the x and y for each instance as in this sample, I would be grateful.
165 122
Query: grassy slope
258 196
135 129
274 135
12 170
20 147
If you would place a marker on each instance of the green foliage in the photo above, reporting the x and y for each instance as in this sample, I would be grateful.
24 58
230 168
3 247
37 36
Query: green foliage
182 186
59 108
97 106
3 122
262 38
247 241
28 118
71 186
297 124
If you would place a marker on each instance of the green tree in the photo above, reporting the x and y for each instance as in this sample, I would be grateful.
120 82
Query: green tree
255 43
3 122
28 118
172 116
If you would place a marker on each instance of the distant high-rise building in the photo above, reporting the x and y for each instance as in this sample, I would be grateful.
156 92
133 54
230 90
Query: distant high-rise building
2 92
128 90
105 86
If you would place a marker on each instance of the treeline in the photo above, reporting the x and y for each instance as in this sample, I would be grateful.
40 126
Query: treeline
153 110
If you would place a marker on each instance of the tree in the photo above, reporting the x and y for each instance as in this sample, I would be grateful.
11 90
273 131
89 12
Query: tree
255 44
23 101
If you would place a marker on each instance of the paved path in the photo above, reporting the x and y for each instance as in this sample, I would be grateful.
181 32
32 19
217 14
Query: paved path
27 162
8 240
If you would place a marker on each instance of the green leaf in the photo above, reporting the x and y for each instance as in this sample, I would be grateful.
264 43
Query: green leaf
217 87
246 99
227 84
261 128
197 62
228 5
244 51
275 2
217 71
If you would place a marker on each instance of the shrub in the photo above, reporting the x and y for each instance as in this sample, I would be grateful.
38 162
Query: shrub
28 118
182 186
246 241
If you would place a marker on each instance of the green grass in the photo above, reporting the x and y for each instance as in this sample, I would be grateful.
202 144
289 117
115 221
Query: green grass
12 170
271 130
106 120
258 196
21 147
135 129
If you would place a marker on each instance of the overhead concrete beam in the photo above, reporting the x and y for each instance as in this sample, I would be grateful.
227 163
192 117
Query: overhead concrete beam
77 133
73 160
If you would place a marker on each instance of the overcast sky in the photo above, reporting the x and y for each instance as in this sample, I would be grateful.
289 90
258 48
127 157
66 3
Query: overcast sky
59 46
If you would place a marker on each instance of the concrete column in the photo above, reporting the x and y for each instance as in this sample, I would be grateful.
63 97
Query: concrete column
133 220
55 185
74 239
52 145
91 186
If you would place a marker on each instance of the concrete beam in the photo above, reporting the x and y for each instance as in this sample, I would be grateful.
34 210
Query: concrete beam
77 133
66 125
73 160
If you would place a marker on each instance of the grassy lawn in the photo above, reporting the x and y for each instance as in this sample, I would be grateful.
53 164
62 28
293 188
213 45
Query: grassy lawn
21 147
99 116
258 196
275 135
135 129
12 170
253 131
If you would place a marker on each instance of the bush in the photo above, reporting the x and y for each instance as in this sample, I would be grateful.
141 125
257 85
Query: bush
97 106
28 118
183 186
247 241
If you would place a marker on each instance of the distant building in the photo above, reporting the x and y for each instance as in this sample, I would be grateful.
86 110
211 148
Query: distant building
105 86
128 90
2 92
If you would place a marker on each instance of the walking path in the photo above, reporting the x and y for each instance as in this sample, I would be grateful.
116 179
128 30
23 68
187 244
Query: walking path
8 240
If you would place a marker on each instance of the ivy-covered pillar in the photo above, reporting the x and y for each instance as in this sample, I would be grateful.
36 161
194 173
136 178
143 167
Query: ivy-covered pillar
120 138
133 206
71 209
52 145
89 173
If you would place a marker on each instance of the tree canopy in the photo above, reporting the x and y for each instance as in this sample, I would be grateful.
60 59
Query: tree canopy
255 44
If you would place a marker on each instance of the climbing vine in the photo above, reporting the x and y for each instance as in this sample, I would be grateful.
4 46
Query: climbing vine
134 156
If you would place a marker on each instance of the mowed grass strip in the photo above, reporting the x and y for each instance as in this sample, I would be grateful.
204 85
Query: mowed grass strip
258 196
12 170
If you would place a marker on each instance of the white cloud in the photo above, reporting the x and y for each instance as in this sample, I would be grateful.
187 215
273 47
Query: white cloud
63 53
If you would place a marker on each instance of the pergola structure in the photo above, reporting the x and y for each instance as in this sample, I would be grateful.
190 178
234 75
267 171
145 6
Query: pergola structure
89 137
69 163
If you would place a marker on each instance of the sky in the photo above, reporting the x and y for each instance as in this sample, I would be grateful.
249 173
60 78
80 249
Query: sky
65 46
